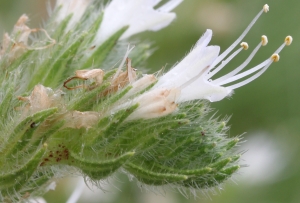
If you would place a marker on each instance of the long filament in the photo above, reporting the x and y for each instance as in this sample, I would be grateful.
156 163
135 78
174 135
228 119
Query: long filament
239 68
240 84
246 73
229 49
224 63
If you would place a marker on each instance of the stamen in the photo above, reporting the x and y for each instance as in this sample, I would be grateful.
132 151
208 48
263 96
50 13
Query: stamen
123 61
246 73
266 8
244 46
264 65
229 49
275 57
288 40
251 78
264 41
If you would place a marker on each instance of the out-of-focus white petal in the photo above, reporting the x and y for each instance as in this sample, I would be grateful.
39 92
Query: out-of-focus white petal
169 6
37 200
51 186
138 15
75 7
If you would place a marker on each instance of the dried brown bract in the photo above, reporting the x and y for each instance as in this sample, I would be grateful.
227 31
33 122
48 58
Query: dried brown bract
121 79
42 98
95 74
16 44
77 119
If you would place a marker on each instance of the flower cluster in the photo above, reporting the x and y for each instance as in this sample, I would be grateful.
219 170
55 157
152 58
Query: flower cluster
63 108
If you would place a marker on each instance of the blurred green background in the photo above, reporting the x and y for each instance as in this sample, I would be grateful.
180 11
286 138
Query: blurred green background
268 109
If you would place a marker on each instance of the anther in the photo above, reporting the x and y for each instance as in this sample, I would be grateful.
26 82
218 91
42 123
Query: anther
264 40
229 49
244 45
288 40
266 8
275 57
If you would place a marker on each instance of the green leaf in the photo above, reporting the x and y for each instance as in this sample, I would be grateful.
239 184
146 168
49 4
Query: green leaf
101 168
87 99
13 181
57 70
42 138
110 124
24 130
5 103
61 28
103 50
153 178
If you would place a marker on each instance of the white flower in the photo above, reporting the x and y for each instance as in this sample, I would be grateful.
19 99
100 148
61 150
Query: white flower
139 15
75 7
191 78
193 74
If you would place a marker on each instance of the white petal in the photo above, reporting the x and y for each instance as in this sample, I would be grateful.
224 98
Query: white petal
36 200
205 39
141 84
138 15
202 89
77 7
169 6
155 103
195 62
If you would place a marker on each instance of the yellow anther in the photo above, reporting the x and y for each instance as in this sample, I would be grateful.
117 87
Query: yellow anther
275 57
45 145
288 40
266 8
244 45
264 40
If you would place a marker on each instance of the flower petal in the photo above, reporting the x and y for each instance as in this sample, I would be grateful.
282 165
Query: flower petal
77 7
202 89
193 64
138 15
